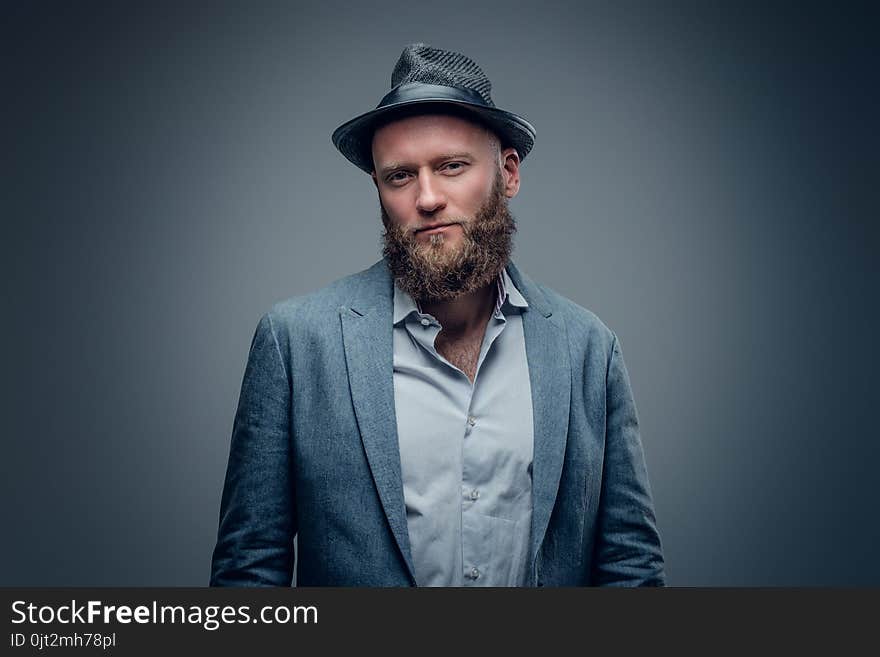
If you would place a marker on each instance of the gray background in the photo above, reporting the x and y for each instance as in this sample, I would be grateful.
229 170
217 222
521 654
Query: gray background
703 180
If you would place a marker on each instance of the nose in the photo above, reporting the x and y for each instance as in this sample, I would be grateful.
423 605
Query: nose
430 196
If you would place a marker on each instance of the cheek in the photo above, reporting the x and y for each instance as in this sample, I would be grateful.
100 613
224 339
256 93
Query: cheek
396 211
389 211
477 193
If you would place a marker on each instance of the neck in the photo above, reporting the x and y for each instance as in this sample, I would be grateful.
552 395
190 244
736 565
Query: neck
465 313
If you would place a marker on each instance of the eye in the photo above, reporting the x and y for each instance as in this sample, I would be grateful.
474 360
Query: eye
396 177
454 167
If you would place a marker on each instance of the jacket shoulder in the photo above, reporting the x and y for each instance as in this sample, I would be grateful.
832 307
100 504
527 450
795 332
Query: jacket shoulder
325 302
582 324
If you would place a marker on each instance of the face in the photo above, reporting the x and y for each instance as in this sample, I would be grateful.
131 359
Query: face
443 185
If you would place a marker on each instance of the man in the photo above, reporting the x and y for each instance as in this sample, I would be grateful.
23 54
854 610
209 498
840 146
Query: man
437 419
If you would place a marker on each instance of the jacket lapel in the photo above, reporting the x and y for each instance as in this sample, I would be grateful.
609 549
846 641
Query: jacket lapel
550 378
367 339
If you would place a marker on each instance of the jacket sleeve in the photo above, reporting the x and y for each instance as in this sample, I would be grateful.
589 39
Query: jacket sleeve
627 550
257 509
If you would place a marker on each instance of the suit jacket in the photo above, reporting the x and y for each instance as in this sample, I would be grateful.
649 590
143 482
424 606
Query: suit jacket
314 449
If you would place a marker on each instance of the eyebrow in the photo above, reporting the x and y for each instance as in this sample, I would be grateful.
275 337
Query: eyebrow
384 171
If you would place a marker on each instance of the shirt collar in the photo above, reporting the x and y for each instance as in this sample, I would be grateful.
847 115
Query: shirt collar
508 294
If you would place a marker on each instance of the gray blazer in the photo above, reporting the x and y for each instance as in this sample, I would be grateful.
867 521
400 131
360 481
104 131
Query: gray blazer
314 449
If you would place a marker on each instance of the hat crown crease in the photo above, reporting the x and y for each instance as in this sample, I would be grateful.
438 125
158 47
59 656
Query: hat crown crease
422 63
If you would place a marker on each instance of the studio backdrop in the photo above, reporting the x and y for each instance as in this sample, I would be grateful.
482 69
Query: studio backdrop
700 180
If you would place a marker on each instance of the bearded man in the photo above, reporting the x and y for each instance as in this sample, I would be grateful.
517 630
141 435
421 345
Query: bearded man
438 419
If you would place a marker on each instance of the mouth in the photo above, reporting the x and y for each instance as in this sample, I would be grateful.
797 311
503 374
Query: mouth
434 228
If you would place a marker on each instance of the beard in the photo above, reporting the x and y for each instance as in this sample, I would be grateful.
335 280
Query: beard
434 271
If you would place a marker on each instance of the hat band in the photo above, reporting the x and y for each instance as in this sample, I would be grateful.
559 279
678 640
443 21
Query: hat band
411 91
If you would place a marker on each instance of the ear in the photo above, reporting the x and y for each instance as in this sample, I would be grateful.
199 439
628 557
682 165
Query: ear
375 180
510 171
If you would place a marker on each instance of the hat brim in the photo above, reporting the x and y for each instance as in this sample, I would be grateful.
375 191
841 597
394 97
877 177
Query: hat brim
354 138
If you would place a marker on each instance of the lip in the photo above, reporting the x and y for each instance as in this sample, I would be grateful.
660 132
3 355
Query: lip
434 228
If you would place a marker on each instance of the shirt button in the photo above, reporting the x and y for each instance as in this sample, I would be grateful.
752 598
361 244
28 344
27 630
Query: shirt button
426 321
471 420
475 494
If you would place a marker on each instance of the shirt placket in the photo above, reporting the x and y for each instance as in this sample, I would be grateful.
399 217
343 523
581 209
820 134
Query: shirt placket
475 533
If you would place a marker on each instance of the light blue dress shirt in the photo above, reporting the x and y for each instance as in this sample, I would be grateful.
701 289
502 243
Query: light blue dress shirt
465 449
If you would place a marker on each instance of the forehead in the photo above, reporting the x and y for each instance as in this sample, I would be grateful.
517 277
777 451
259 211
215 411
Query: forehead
424 135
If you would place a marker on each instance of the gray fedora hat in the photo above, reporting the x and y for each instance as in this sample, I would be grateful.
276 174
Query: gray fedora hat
430 79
